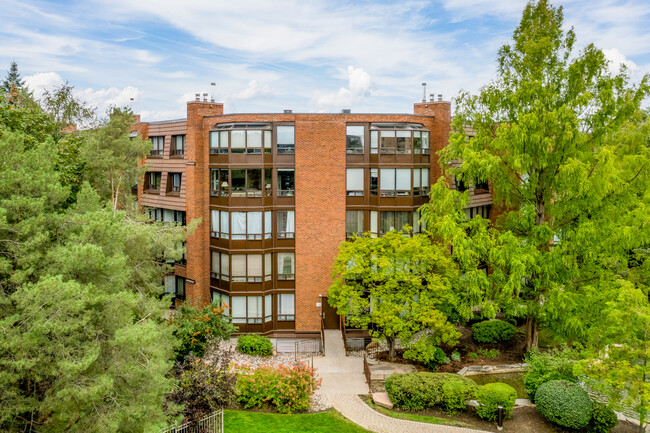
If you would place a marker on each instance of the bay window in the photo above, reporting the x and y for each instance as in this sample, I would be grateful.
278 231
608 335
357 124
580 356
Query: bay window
222 300
249 138
219 182
395 182
420 181
354 181
246 268
399 138
246 309
286 224
393 220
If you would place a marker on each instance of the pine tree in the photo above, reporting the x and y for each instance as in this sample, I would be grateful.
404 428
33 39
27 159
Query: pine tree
12 81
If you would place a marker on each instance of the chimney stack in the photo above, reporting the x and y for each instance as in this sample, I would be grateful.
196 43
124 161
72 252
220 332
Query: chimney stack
424 92
431 97
288 111
197 97
205 97
439 97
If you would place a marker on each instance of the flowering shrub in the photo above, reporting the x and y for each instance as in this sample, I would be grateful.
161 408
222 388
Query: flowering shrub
195 327
285 389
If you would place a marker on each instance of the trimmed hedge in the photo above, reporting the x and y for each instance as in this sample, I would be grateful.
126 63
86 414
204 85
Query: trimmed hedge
455 394
493 331
564 403
491 395
253 344
603 419
417 391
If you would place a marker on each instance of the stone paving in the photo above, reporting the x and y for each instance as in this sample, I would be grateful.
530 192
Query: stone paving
354 409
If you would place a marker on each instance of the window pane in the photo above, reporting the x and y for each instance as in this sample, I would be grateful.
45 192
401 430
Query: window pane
402 219
254 223
224 223
254 182
386 221
268 225
268 308
387 179
355 135
374 141
223 141
224 186
354 222
416 222
268 266
254 265
238 183
254 307
214 221
416 177
403 179
214 139
354 179
286 305
216 261
225 265
268 140
285 265
285 136
373 221
238 141
425 178
286 181
238 271
238 223
253 139
238 309
425 139
168 215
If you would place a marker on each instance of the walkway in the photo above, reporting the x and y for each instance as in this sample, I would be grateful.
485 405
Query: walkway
341 374
354 409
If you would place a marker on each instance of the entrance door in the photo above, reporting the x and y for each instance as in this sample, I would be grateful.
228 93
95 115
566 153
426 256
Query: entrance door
331 318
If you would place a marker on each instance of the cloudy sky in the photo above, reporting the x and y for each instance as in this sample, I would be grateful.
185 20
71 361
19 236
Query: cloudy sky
270 55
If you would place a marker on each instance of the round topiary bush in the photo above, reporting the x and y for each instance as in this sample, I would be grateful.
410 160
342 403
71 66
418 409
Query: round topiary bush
253 344
491 395
603 419
493 331
564 403
417 391
455 394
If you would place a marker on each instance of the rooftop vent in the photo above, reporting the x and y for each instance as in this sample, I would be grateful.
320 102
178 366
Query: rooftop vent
424 92
439 97
205 97
431 97
197 96
288 111
346 111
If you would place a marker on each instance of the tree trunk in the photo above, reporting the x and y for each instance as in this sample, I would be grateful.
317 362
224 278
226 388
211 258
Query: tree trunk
391 347
531 334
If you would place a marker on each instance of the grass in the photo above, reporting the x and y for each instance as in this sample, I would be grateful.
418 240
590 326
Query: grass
236 421
412 417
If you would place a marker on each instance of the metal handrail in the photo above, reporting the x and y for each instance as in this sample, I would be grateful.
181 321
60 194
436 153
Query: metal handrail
322 332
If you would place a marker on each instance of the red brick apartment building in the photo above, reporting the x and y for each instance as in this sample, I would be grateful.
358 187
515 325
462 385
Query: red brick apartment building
277 193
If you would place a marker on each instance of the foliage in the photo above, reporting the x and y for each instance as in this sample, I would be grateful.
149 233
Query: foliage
603 419
202 388
455 395
546 135
257 422
253 344
455 356
283 388
196 327
473 355
416 391
493 331
489 353
491 395
393 285
425 352
564 403
12 80
111 157
64 108
556 364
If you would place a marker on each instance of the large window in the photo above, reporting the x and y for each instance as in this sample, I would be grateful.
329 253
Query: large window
175 286
354 181
174 182
251 138
483 211
178 145
286 224
219 224
219 182
420 181
152 181
220 267
398 138
286 306
286 182
158 145
286 140
353 223
167 215
389 220
395 182
246 268
354 139
241 225
286 266
246 309
246 182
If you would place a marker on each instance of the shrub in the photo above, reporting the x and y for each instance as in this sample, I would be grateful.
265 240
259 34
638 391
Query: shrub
492 353
253 344
603 419
564 403
196 327
202 389
426 353
454 395
284 389
416 391
543 367
455 356
473 355
491 395
493 331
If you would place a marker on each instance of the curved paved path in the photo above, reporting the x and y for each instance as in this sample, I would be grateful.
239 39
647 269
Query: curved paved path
354 409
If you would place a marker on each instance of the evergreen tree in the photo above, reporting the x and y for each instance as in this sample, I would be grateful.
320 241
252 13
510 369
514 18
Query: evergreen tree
12 81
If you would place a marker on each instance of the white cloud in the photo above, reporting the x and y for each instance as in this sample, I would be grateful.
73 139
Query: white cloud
42 81
618 59
253 90
359 87
107 97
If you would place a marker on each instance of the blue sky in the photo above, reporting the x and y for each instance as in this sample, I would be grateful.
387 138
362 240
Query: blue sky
305 55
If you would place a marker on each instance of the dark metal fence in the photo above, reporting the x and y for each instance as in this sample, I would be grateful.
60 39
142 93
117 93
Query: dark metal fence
212 423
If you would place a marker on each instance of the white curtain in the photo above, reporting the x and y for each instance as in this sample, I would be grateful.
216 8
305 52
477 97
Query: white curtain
254 307
268 307
225 265
214 221
238 309
268 266
387 179
286 304
291 223
168 215
223 139
354 179
374 216
238 272
214 139
416 222
285 263
425 177
254 223
216 261
170 284
224 222
268 227
238 223
238 139
417 177
403 182
253 139
254 265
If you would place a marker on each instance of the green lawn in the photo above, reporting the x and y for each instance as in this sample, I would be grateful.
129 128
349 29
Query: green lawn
331 421
413 417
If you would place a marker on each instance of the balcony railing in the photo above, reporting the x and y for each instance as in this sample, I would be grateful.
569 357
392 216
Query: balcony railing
156 152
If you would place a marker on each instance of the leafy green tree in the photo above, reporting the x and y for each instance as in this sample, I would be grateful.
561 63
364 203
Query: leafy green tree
111 157
545 137
12 81
395 286
64 108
